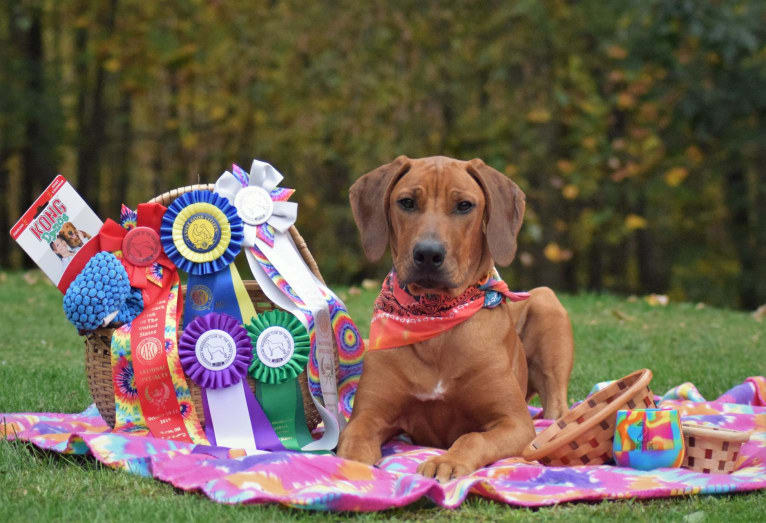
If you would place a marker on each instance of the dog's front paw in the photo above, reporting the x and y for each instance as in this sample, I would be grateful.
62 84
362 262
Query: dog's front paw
359 450
444 468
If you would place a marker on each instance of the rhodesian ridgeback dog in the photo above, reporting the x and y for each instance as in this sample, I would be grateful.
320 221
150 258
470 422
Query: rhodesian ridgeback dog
447 223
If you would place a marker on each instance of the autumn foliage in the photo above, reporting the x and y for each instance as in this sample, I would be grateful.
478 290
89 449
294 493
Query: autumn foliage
636 127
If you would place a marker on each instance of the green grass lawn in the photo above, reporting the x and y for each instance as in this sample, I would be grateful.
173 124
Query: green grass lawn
42 369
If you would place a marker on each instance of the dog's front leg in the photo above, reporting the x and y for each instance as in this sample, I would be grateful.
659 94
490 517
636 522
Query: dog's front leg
362 438
507 437
378 404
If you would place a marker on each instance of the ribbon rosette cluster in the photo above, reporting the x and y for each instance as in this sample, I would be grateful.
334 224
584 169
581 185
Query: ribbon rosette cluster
201 233
284 277
267 216
215 351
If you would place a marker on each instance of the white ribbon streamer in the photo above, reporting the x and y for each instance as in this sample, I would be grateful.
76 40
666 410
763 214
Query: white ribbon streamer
230 418
285 257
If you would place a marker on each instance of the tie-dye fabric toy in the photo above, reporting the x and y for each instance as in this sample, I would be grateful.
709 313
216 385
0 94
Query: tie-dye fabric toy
647 439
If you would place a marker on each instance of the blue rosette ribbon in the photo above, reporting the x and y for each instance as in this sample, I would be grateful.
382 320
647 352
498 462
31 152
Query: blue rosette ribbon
202 233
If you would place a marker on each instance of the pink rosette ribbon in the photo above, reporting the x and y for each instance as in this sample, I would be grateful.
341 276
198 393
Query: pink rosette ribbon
215 352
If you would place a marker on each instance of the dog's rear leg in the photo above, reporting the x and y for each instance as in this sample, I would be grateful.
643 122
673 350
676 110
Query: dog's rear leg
546 333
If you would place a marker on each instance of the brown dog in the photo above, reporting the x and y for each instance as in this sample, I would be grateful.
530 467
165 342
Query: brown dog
447 223
72 236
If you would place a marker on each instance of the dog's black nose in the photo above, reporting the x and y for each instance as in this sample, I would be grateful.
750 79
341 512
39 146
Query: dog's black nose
428 254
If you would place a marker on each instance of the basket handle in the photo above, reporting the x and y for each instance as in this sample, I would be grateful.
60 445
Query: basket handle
167 198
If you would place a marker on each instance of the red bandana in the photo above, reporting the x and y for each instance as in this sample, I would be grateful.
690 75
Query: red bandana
400 319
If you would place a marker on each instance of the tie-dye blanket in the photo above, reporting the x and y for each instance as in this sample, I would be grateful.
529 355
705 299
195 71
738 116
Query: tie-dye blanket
324 482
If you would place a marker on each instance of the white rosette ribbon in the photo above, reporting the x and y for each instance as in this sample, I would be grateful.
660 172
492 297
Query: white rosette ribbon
267 219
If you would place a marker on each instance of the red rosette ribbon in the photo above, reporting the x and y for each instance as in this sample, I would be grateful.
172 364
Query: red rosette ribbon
137 245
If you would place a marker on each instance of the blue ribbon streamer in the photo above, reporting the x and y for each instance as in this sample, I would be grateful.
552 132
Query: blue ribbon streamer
211 293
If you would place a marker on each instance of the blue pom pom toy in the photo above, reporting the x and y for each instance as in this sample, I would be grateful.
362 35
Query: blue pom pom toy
134 304
100 290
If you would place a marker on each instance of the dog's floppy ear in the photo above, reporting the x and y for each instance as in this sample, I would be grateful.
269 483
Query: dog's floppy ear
505 210
369 203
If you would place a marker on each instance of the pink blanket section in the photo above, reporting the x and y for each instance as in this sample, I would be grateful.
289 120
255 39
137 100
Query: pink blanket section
324 482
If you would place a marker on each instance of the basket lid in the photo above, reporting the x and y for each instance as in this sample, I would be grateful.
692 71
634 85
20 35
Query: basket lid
710 432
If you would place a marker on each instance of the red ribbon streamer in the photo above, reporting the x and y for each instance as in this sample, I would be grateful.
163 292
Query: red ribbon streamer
157 394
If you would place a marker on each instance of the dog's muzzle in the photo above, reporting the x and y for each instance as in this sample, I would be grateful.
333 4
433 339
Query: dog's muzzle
427 264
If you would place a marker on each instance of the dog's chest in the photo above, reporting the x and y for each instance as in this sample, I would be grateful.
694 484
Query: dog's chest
450 375
435 418
437 393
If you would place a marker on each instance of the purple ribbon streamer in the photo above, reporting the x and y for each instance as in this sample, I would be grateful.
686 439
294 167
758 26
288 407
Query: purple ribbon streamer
265 437
211 450
209 432
263 432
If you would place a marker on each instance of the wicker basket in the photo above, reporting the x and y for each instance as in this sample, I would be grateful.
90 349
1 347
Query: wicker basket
711 449
98 366
583 436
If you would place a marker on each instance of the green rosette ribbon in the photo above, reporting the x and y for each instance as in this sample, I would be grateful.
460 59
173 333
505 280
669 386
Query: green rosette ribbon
281 347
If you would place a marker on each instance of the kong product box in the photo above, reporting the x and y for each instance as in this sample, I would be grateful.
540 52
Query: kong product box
56 227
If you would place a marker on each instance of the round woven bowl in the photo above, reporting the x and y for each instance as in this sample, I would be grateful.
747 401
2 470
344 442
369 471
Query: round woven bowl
98 364
711 449
583 436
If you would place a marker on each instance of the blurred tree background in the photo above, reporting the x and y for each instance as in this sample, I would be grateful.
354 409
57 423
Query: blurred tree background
637 128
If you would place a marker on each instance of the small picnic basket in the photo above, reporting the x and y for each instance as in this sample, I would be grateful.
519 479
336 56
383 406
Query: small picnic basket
583 436
711 449
98 343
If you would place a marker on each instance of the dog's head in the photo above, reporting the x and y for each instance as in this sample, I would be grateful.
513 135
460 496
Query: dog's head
68 233
447 221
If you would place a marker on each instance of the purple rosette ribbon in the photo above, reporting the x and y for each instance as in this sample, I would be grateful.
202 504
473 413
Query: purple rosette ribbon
221 375
215 353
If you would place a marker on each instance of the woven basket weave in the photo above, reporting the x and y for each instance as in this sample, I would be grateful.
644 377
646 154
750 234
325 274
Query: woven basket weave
98 365
711 449
583 436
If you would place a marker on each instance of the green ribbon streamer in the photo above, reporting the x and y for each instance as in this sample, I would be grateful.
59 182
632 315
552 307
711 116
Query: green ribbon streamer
277 388
283 405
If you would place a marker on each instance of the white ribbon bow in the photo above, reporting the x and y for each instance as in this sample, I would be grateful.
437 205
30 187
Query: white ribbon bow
267 217
259 202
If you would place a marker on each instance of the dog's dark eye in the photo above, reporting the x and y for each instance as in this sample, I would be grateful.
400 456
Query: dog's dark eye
463 207
408 204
